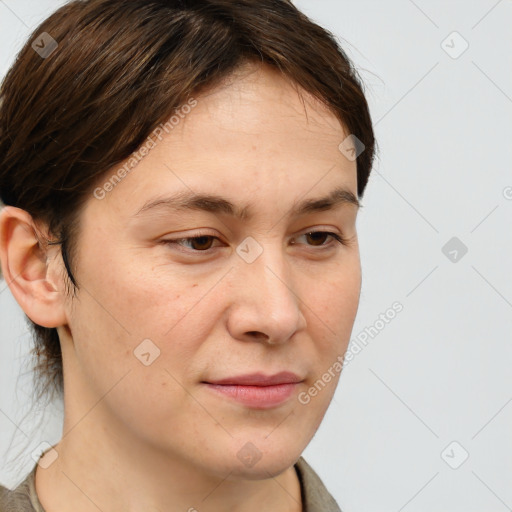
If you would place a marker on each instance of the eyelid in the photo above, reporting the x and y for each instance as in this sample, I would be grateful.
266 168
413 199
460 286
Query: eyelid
336 237
182 249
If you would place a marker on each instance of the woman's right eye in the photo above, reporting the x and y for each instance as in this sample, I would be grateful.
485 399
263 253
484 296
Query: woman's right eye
201 243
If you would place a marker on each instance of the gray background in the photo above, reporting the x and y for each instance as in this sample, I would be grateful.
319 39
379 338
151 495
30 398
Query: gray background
439 372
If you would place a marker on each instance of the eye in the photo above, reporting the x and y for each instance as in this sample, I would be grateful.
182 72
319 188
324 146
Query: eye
318 238
201 243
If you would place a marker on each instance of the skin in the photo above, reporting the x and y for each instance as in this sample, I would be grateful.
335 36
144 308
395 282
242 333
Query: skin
139 437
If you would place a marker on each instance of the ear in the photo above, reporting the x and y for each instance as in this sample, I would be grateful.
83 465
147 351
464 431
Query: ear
34 278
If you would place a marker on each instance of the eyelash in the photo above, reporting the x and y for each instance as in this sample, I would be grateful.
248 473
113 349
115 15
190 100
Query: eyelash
176 241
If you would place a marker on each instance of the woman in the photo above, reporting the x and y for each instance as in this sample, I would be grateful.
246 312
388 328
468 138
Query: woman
181 181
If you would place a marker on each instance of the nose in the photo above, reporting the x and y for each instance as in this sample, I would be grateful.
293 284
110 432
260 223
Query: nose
264 305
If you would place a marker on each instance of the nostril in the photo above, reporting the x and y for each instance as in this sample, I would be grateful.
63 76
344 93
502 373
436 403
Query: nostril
257 334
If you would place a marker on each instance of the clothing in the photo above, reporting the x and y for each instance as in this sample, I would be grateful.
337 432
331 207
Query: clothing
315 496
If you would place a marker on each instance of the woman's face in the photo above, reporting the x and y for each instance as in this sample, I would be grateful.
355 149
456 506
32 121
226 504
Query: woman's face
158 315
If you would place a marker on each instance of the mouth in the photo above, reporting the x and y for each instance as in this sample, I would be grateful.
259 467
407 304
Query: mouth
257 390
259 379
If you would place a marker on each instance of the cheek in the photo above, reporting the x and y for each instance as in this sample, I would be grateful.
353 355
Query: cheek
132 391
143 301
118 307
336 299
334 302
335 307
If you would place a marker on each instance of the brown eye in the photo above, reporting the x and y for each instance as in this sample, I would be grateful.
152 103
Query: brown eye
318 237
192 244
201 243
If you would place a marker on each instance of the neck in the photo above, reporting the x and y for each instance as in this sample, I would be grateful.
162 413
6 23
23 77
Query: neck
109 469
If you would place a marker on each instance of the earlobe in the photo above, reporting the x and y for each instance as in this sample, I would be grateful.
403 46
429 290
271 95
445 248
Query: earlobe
27 269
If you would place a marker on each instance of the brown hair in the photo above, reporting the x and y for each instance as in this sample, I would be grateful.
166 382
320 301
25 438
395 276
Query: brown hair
122 67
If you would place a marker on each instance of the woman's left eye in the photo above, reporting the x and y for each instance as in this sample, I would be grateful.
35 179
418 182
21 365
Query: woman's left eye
203 243
319 236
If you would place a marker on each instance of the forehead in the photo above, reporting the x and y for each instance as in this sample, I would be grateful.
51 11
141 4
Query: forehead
252 137
260 100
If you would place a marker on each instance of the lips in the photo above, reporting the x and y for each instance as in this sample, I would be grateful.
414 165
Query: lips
259 379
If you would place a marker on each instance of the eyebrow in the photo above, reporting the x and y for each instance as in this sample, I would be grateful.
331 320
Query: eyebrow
212 203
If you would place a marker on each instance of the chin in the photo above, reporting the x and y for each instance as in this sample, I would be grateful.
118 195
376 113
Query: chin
254 462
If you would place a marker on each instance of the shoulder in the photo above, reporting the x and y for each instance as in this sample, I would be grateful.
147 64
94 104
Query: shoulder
20 499
316 497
